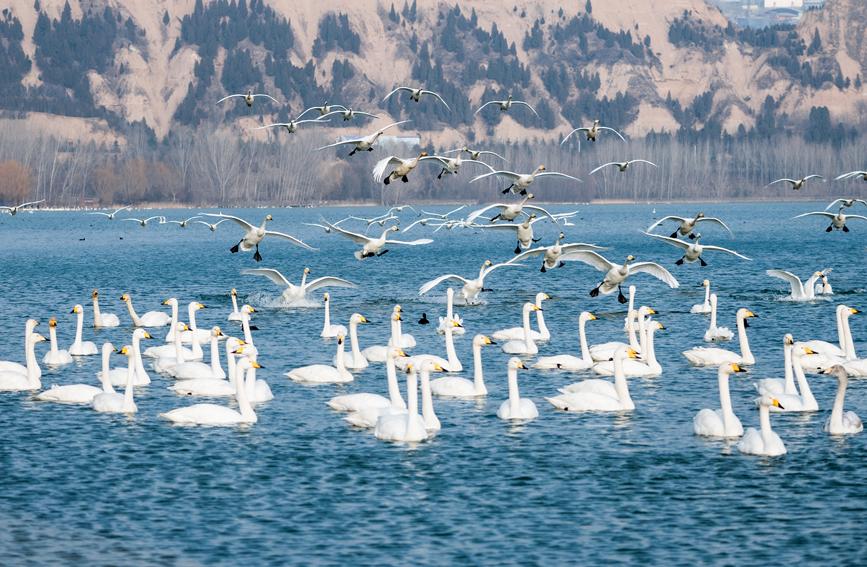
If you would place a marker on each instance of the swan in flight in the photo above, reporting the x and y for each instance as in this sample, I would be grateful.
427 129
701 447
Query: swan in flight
348 114
505 105
100 319
841 422
616 274
462 388
796 184
569 362
401 168
471 287
692 251
510 211
591 133
55 356
212 226
371 246
516 407
325 109
110 215
523 231
453 165
800 291
291 126
144 222
763 442
702 356
79 347
297 293
704 307
323 373
838 221
13 379
13 210
214 414
475 154
416 94
713 332
254 235
519 182
687 225
551 254
185 222
845 203
597 394
852 175
363 143
720 422
622 165
248 97
149 319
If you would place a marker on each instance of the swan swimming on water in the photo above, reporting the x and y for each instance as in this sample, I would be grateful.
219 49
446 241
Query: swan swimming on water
516 407
79 347
100 319
148 319
597 394
330 331
704 356
109 401
569 362
55 356
365 401
517 333
805 291
841 422
704 307
219 415
12 380
764 441
713 332
720 422
462 388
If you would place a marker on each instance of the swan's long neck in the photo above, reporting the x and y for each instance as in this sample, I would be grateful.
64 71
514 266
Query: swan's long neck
806 394
706 297
846 336
132 314
712 324
514 393
136 359
103 377
642 335
79 325
97 317
765 423
478 372
450 299
411 400
543 328
215 356
234 303
179 349
52 334
582 338
633 340
744 342
451 355
191 311
33 372
326 327
620 385
788 377
393 390
836 420
128 402
353 339
528 340
248 335
341 363
651 350
303 280
810 287
230 365
841 335
174 321
725 399
395 332
427 408
241 395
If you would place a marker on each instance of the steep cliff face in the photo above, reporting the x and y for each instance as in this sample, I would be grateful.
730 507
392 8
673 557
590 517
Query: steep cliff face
641 65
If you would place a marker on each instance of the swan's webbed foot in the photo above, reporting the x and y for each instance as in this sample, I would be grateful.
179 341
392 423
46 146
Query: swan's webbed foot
594 292
691 236
845 228
486 289
830 228
561 264
620 297
387 180
535 239
523 192
352 153
518 249
257 256
382 252
495 218
405 179
679 262
370 149
440 176
673 234
702 262
507 189
234 249
543 269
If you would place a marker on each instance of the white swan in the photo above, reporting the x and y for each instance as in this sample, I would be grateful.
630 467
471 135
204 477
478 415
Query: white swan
838 221
591 132
248 97
446 322
78 393
79 347
322 373
828 354
703 308
254 235
569 362
616 274
112 214
692 251
605 351
841 422
415 94
525 345
330 331
13 380
294 294
648 366
713 332
189 370
181 354
799 401
785 385
14 210
796 184
471 287
800 291
365 401
209 386
354 360
509 211
195 336
686 225
258 390
551 254
109 401
8 365
720 422
100 319
400 167
505 105
401 339
406 427
170 335
702 356
379 353
363 143
764 442
371 246
213 414
824 287
149 319
622 166
117 376
517 333
519 182
462 388
55 356
451 364
516 407
597 394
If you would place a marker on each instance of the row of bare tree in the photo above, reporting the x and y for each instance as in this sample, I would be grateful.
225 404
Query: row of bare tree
212 166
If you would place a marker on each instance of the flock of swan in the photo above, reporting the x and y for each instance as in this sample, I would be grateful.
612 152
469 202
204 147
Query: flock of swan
391 415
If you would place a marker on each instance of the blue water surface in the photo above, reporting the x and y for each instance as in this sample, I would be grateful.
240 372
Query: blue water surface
301 487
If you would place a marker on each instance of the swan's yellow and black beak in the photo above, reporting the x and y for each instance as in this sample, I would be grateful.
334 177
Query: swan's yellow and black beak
591 317
255 364
340 339
438 368
38 338
147 335
166 301
808 350
200 305
735 367
776 403
520 364
853 311
631 353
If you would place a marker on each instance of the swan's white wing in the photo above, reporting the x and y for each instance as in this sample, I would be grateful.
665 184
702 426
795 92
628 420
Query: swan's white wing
528 254
541 210
266 96
818 214
833 203
397 90
207 224
619 135
590 258
663 219
122 209
849 175
435 282
604 165
328 281
486 152
27 204
272 125
424 92
642 161
418 242
192 218
131 219
792 181
94 213
556 174
486 104
715 221
5 208
239 221
569 135
478 162
522 103
655 270
392 125
859 217
726 250
506 264
290 238
669 240
422 222
355 237
382 165
269 273
500 226
507 174
228 97
476 214
351 142
578 247
160 218
813 176
792 279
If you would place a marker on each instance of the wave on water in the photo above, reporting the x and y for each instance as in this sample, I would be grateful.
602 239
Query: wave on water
262 299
